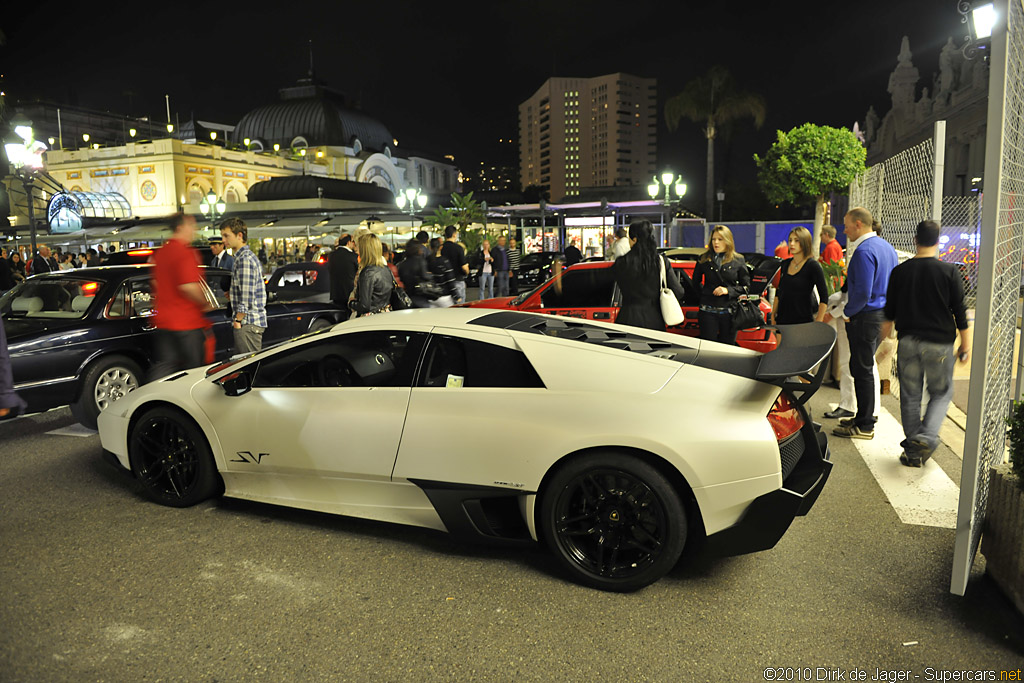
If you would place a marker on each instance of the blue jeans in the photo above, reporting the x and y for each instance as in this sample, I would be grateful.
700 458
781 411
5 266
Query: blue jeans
501 282
923 363
486 285
863 331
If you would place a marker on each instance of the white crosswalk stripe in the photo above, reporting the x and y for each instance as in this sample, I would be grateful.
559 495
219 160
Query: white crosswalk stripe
925 495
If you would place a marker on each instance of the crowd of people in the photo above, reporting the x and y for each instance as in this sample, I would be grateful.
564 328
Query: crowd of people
923 298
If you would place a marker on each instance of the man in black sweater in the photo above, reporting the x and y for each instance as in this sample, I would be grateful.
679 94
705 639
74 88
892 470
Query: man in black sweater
925 299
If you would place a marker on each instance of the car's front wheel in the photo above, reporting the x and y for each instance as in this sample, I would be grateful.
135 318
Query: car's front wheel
170 456
106 380
613 521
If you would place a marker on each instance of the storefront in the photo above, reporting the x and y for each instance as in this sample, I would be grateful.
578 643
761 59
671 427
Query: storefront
592 235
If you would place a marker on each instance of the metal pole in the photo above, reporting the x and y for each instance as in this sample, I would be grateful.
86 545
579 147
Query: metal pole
940 170
27 181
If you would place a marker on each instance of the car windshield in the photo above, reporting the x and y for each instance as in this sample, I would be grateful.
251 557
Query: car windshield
526 295
50 297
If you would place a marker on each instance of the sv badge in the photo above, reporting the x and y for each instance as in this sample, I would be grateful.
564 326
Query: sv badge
247 457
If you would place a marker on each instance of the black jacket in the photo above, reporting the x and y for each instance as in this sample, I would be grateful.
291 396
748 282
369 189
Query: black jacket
413 272
372 289
342 265
572 255
733 275
641 304
443 274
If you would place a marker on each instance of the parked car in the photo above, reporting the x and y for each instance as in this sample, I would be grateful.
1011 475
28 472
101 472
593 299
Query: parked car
537 267
588 291
618 468
85 337
145 255
307 281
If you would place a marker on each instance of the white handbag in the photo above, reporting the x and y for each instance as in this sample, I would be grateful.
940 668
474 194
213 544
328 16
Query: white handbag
670 310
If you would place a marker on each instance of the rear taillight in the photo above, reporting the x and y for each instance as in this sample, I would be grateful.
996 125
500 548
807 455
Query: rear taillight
785 418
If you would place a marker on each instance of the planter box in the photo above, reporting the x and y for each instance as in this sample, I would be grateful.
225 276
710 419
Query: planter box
1003 541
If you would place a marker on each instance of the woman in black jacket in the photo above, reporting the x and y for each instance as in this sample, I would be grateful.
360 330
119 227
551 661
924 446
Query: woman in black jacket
415 275
371 293
639 278
720 276
443 274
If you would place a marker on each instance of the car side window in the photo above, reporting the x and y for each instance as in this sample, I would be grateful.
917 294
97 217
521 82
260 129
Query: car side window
220 285
141 301
117 309
362 359
584 288
455 363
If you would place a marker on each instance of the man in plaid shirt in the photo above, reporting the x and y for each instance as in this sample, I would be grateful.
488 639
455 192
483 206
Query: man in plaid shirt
248 295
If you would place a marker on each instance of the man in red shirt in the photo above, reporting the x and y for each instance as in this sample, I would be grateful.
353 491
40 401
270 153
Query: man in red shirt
832 253
180 301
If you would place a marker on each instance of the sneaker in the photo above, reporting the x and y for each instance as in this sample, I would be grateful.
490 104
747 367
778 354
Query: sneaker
910 460
838 413
853 432
919 449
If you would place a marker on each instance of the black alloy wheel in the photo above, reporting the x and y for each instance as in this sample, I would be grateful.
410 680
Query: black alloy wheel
613 521
170 457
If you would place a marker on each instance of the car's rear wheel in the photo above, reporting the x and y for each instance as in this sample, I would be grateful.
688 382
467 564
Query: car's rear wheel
106 380
171 458
613 521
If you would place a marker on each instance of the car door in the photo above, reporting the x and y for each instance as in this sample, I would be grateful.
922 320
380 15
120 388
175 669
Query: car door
469 383
582 293
328 410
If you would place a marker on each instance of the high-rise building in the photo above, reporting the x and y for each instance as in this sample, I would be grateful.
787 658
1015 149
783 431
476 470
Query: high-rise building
588 132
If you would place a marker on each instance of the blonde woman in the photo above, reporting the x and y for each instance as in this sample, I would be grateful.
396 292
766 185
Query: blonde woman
371 292
801 274
720 276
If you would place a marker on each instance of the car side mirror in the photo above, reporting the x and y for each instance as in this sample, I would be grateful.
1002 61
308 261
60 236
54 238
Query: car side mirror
271 296
236 384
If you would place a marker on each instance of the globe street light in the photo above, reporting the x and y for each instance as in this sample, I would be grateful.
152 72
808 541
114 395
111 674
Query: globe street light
25 155
212 207
414 198
667 178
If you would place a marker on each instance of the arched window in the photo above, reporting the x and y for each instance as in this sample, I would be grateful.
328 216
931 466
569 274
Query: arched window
256 145
299 142
357 146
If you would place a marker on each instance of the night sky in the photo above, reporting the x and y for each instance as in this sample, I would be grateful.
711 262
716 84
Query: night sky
448 77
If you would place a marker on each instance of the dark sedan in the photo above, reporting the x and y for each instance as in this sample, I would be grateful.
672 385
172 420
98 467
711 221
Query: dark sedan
85 337
537 267
307 281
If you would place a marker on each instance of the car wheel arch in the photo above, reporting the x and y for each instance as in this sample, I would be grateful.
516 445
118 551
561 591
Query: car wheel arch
131 354
674 476
144 408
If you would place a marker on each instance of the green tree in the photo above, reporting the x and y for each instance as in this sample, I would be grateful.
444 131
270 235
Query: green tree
463 212
809 162
713 100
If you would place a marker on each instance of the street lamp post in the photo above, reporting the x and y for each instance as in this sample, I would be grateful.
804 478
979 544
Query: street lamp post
414 198
25 155
212 207
721 200
669 180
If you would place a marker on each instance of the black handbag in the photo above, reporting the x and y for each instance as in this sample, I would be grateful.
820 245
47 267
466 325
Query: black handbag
429 290
746 314
399 299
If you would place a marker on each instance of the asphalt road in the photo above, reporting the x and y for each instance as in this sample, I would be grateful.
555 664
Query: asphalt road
97 584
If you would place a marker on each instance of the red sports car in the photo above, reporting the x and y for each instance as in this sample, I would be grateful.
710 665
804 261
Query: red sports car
588 290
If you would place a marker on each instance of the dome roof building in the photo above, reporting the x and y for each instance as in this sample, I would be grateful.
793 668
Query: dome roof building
312 115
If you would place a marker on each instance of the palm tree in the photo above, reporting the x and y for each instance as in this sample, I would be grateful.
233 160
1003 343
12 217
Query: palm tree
713 100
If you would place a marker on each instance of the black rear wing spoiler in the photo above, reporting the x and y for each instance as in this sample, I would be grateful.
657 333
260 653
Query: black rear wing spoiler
800 354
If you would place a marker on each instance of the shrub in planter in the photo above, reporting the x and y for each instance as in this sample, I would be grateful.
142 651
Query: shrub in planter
1003 541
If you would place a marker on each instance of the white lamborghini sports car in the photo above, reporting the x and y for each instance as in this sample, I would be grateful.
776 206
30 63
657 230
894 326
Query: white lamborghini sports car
616 447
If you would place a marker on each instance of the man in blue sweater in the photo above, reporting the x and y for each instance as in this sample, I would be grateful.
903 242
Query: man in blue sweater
867 278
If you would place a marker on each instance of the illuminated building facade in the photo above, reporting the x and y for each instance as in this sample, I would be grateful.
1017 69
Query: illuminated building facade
588 132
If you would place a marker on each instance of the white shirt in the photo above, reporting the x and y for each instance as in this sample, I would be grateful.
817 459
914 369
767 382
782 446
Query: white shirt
619 248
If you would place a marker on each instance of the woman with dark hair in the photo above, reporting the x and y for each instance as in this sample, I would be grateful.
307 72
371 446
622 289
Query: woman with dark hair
801 274
443 274
720 276
638 274
416 278
17 266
